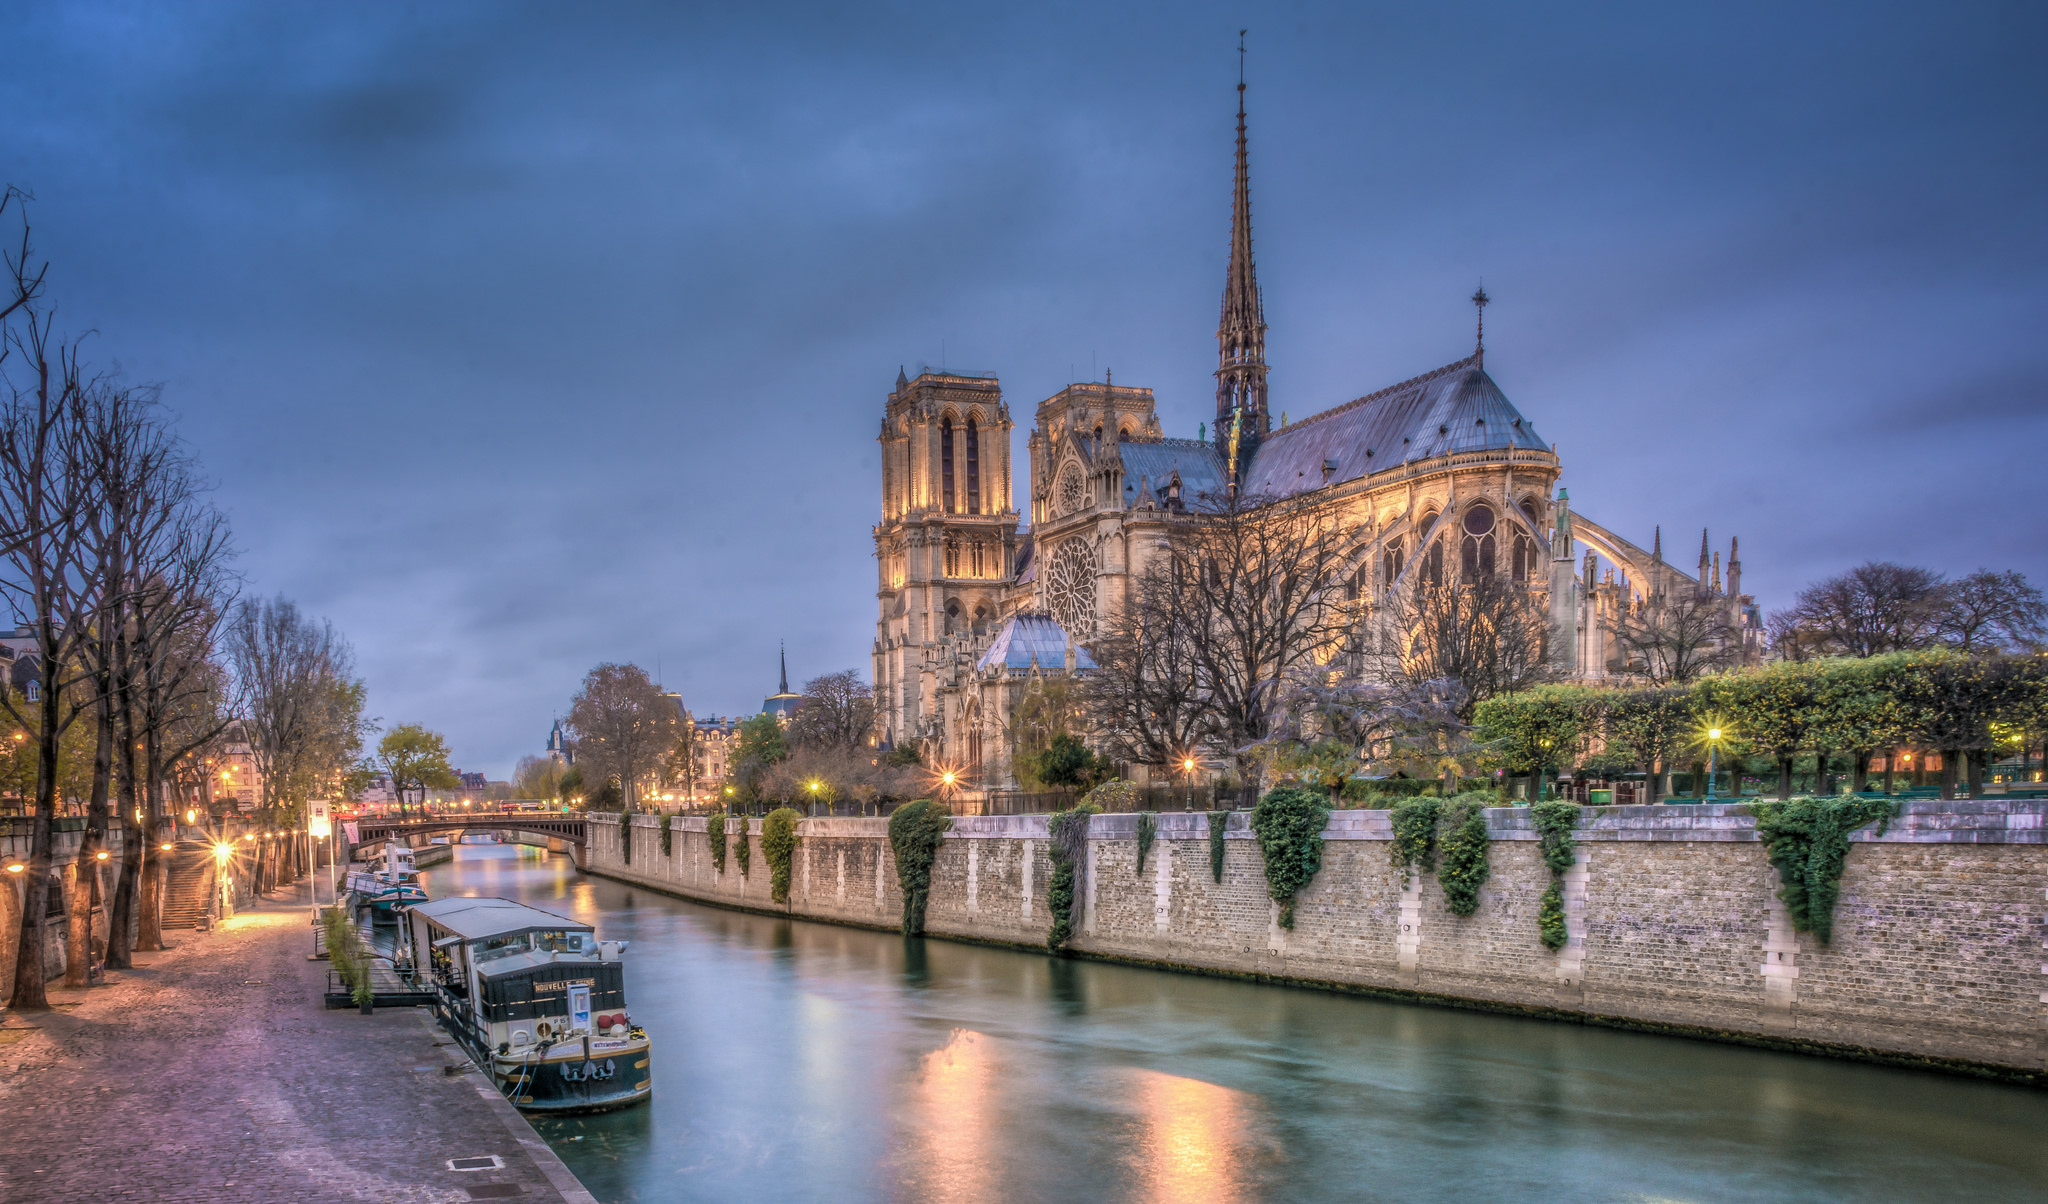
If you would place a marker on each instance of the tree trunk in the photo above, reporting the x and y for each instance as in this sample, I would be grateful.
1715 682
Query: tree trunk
1822 761
78 923
1948 772
1653 778
1978 760
1784 778
29 994
1859 763
1891 765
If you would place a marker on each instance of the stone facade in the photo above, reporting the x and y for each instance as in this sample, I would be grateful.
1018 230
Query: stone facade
1672 911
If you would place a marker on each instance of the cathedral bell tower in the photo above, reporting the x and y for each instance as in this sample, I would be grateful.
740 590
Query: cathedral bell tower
1241 417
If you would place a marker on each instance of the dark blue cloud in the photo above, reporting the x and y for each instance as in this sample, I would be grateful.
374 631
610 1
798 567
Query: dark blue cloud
523 337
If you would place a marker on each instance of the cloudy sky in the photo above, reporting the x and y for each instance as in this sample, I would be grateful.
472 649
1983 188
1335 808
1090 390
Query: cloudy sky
521 338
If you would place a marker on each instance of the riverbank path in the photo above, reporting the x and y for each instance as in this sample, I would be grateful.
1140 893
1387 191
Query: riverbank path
210 1072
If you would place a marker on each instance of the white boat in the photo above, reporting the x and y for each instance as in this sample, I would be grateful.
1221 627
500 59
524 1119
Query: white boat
390 881
536 999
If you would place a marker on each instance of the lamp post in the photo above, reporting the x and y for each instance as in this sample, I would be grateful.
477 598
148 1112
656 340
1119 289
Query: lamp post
1713 761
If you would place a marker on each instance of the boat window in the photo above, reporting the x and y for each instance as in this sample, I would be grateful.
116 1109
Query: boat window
491 948
562 942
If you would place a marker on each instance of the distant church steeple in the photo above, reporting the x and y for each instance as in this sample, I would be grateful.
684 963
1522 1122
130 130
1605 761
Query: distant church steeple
1241 418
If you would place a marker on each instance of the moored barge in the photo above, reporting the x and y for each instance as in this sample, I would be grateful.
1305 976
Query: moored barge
536 999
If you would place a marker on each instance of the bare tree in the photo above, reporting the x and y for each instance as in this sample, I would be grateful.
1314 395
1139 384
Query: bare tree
1991 612
623 724
302 710
1670 639
46 490
1875 607
838 711
1257 578
1485 633
1143 699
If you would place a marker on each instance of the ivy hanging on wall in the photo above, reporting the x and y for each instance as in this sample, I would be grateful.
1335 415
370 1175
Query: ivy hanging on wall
714 830
1461 844
667 837
1808 841
1148 828
778 844
1289 822
1069 845
1219 823
915 831
742 848
1414 844
626 837
1446 837
1554 821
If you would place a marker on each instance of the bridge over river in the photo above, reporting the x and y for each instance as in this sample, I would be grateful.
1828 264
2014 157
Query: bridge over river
560 832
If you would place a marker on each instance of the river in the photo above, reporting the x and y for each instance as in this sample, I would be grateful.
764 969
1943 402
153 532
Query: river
803 1061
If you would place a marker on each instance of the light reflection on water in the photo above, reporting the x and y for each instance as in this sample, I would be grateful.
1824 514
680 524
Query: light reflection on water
797 1061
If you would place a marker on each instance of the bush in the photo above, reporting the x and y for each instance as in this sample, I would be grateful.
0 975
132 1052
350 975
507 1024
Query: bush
915 831
1114 795
1069 844
1148 827
1289 822
778 843
1550 925
345 952
1808 842
1065 763
742 848
667 837
714 830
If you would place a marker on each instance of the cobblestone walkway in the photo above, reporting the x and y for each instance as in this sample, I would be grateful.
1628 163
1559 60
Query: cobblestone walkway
211 1072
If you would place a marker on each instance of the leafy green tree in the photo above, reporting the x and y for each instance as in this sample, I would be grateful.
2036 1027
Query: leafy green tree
1652 726
1957 703
1535 730
1066 763
1775 710
417 758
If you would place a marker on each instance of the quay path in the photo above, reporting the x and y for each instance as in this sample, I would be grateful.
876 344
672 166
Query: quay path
211 1072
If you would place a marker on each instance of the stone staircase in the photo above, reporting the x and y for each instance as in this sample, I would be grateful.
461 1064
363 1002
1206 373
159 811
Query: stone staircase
188 887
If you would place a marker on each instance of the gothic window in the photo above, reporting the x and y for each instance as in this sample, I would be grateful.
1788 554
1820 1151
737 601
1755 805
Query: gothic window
1529 508
1476 552
974 473
1390 563
946 462
1070 588
1525 557
1433 563
975 548
1071 490
952 614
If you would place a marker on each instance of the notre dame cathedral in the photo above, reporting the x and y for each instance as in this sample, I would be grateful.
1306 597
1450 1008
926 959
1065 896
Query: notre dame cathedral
1438 468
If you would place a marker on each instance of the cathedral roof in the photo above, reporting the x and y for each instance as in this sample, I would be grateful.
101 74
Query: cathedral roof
1027 636
1200 468
1456 408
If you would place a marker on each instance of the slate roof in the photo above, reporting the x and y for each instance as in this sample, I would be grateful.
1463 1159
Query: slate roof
473 919
1456 408
1026 635
1200 468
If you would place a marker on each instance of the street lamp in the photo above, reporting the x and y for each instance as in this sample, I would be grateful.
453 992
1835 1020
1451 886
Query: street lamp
1713 760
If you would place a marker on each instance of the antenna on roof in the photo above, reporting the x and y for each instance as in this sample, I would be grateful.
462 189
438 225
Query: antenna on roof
1479 302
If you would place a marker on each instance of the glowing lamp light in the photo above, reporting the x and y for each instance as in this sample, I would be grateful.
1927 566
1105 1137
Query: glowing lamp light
1713 733
191 813
221 852
100 856
1188 764
165 846
947 777
16 868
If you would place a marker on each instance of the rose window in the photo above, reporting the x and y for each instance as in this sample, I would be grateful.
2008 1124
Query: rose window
1070 588
1071 490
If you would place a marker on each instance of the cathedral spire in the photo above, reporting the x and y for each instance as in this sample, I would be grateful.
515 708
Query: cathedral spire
1479 302
1241 333
783 649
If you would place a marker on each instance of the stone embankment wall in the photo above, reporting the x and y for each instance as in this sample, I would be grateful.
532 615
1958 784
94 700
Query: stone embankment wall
1673 915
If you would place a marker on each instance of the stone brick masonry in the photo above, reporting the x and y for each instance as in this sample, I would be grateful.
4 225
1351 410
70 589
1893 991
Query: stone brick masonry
1940 951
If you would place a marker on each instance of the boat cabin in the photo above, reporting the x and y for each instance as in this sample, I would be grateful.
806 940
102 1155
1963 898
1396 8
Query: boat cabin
523 975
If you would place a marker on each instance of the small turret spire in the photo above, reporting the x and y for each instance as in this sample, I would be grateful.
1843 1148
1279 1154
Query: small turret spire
784 652
1479 302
